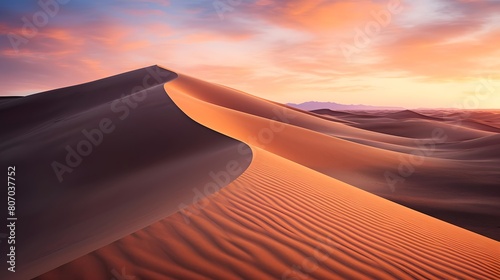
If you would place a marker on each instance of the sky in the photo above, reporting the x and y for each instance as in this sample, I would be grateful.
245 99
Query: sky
413 54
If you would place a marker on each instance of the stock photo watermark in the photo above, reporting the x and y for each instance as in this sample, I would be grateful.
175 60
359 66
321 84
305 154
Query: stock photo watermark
121 275
225 6
364 36
219 180
483 91
408 163
311 263
92 138
32 24
11 218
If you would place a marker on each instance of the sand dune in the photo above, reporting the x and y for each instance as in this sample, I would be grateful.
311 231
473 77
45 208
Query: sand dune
134 176
421 128
392 124
409 114
332 115
480 125
243 102
282 219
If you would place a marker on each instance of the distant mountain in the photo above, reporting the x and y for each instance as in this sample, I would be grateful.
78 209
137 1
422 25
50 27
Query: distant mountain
315 105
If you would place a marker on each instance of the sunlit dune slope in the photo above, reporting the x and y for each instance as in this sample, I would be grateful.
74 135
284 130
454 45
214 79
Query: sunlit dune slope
283 131
366 159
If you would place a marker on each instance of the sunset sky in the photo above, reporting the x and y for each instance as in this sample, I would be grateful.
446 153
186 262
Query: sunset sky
439 53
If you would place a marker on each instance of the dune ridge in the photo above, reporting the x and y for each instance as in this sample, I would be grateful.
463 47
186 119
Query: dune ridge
360 157
117 188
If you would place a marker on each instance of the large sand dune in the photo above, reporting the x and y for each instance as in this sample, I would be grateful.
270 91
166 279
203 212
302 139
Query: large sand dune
134 176
283 218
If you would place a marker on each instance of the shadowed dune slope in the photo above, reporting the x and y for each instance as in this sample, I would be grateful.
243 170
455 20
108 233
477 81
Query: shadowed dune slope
120 181
5 99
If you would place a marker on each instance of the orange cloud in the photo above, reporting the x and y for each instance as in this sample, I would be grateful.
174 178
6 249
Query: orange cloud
316 15
443 53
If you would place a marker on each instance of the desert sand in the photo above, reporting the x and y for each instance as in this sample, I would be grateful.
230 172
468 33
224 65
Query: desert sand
303 207
280 220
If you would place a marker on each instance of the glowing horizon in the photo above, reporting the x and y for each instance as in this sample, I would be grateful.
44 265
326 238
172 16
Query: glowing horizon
432 54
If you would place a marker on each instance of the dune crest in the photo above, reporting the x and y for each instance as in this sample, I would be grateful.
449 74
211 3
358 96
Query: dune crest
137 172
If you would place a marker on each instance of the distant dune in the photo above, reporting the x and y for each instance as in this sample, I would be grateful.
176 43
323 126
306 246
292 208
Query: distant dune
409 114
290 192
4 99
